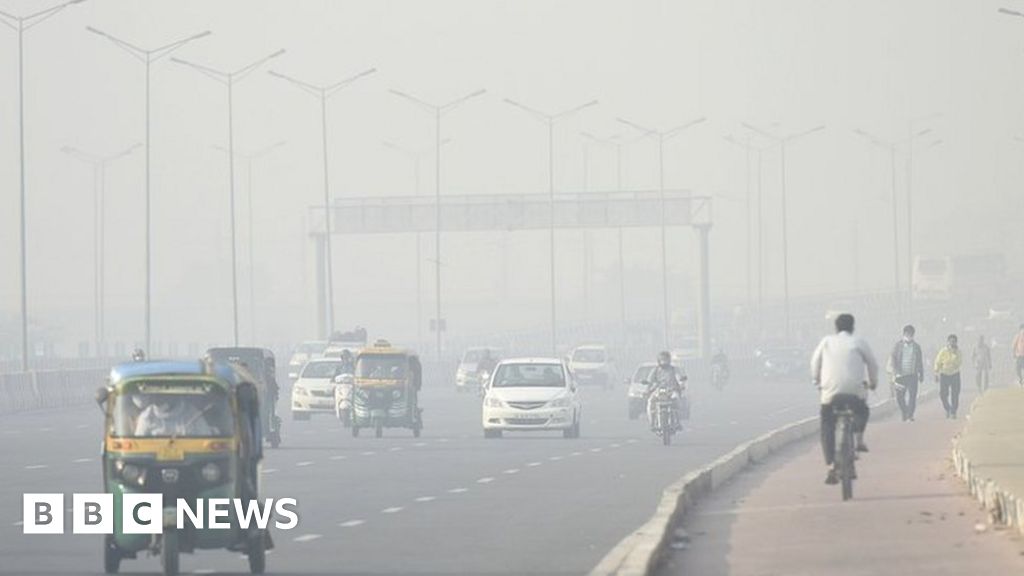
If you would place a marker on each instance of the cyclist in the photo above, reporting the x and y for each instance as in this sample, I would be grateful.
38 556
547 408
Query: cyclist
839 366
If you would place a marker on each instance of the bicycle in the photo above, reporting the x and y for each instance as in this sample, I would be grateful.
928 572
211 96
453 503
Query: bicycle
846 455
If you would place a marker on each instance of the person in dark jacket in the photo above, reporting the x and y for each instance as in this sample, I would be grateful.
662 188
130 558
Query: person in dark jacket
906 365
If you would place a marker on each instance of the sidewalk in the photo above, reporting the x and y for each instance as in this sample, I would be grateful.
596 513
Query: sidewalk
910 514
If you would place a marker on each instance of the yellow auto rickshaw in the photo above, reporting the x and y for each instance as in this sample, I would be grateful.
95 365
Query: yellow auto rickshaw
386 390
189 430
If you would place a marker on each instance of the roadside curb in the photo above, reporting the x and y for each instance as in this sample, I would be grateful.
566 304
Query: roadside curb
641 552
1004 507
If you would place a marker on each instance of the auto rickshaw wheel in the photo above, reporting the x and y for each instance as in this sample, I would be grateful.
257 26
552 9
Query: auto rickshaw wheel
355 431
169 552
416 432
257 553
111 556
379 430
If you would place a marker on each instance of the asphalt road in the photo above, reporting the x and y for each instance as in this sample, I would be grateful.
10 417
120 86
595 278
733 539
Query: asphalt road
449 502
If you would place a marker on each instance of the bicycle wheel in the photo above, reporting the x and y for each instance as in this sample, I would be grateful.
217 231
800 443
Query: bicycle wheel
846 457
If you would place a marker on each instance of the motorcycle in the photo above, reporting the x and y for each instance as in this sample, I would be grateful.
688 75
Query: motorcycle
343 398
666 418
485 379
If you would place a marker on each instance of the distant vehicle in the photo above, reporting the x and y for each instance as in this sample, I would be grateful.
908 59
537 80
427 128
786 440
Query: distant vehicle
468 376
304 353
592 365
352 340
974 276
688 350
779 363
313 392
386 390
637 392
529 395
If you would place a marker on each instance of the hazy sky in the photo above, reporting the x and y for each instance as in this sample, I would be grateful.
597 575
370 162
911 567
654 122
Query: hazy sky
871 64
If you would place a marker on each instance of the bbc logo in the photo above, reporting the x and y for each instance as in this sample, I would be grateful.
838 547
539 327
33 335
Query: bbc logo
92 513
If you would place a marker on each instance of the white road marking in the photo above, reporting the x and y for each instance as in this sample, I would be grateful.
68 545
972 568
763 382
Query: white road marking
458 490
632 441
392 510
80 426
368 453
81 460
595 449
425 499
576 454
442 440
338 457
204 571
615 446
351 523
47 429
555 458
307 537
511 471
534 464
420 444
485 480
269 470
18 523
395 448
35 466
304 463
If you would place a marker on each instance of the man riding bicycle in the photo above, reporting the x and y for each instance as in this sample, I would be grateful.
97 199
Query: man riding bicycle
838 368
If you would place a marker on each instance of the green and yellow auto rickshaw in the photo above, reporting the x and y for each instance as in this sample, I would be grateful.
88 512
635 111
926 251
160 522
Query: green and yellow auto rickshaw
189 430
260 363
386 390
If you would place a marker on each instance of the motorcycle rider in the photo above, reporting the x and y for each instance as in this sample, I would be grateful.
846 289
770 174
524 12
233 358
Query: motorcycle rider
138 355
838 368
720 362
348 364
665 375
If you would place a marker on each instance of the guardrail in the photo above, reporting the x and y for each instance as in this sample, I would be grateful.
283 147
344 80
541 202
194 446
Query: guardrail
38 389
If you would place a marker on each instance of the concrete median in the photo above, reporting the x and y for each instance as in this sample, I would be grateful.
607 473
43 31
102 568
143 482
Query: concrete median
640 552
989 456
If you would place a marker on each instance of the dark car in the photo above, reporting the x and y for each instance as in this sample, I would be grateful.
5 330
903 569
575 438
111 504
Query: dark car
782 363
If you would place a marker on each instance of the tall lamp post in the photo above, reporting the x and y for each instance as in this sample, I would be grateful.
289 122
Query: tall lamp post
662 136
783 142
615 142
20 24
99 182
550 120
753 152
148 57
228 79
437 110
248 158
323 92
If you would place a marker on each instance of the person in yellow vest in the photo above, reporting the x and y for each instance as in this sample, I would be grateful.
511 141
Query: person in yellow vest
947 373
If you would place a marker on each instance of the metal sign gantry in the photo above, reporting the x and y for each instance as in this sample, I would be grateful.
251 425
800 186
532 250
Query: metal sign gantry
522 212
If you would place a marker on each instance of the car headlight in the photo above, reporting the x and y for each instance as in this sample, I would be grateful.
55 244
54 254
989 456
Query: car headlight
560 402
300 391
210 472
492 402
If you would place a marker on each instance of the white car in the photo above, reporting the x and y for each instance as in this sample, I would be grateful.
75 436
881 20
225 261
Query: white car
313 392
592 365
304 353
531 394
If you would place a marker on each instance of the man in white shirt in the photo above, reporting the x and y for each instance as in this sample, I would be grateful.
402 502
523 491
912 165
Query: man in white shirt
841 366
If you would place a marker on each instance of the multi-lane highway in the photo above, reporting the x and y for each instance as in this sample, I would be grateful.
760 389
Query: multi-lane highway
448 502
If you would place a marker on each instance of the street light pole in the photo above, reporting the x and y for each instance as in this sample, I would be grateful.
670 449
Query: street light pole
323 92
437 110
615 141
147 57
99 179
20 24
550 120
228 79
249 157
749 151
782 142
662 136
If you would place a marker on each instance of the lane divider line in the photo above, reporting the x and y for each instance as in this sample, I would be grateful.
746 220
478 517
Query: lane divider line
307 537
351 523
425 499
304 463
485 480
35 466
392 510
458 490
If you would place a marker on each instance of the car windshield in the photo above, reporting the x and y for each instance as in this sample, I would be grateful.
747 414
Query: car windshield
321 369
381 366
642 373
591 355
529 376
179 409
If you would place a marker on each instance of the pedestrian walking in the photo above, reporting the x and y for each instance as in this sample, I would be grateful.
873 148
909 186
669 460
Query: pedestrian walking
906 368
982 357
947 373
